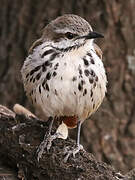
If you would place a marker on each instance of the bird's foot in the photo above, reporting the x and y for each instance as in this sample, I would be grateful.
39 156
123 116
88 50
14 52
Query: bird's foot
68 151
46 144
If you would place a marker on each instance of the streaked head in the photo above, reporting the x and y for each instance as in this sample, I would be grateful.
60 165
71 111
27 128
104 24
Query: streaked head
69 31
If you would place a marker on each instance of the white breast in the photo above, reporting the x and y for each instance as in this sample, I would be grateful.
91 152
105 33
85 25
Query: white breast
69 92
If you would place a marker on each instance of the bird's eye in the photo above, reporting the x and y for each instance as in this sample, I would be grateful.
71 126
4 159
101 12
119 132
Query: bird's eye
69 35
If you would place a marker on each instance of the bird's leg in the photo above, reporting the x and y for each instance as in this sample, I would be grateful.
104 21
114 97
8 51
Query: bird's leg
50 126
78 146
61 132
46 143
78 133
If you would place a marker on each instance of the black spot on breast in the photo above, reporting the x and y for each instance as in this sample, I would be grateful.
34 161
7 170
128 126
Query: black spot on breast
35 100
56 66
70 48
74 78
32 92
93 105
47 63
92 61
38 76
91 93
74 92
40 89
47 87
86 72
80 87
85 92
44 67
82 82
54 73
47 52
43 83
34 70
27 75
89 54
85 61
94 85
34 80
31 78
92 73
96 78
91 80
61 78
48 76
56 92
80 71
27 79
53 56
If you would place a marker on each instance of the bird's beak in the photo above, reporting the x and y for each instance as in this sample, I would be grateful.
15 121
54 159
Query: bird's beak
91 35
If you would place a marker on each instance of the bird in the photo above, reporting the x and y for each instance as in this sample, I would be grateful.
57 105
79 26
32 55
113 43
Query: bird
64 77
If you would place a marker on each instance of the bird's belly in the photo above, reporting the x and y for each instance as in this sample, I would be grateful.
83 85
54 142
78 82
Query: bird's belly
71 94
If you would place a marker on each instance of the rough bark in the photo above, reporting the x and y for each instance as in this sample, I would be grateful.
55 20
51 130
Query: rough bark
19 139
110 135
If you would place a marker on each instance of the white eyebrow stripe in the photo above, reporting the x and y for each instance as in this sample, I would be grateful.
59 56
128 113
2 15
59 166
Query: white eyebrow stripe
64 30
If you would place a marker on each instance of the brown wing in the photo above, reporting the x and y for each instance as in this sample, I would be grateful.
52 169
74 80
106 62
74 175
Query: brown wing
35 44
98 51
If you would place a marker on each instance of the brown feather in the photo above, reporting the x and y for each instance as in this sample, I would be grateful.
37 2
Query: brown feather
70 121
35 44
98 51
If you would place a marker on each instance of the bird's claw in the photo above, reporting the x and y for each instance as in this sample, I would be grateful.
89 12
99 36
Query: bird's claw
46 144
68 151
41 148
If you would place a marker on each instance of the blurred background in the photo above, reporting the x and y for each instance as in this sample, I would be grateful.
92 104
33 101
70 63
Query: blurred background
110 132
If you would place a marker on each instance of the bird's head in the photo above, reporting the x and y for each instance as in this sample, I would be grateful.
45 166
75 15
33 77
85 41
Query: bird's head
69 31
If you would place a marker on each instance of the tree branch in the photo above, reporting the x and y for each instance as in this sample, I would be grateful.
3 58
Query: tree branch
19 138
